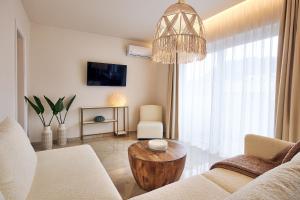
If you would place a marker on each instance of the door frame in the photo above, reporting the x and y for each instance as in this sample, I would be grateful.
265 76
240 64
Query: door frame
19 31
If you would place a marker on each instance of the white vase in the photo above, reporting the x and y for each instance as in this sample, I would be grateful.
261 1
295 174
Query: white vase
47 137
62 134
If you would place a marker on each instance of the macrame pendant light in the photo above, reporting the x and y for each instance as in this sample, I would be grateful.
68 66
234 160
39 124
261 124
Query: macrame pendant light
179 36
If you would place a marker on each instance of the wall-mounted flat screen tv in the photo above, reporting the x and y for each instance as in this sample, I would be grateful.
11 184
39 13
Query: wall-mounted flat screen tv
104 74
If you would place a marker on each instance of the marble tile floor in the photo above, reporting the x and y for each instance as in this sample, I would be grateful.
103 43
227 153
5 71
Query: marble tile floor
112 151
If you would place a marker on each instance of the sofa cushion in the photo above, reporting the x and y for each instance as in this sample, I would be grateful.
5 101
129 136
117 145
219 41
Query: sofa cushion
17 161
229 180
73 173
280 183
193 188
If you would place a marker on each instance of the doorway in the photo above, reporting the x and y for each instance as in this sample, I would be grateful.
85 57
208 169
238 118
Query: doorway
21 87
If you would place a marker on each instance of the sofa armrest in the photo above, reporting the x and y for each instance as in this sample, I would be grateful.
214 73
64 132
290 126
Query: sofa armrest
264 147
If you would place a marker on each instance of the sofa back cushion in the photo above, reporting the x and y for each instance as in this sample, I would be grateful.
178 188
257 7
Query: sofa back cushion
280 183
17 161
151 113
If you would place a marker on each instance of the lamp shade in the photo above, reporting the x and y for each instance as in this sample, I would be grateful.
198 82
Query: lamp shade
117 99
179 36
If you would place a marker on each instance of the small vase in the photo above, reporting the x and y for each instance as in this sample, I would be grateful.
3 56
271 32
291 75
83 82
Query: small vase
62 134
47 138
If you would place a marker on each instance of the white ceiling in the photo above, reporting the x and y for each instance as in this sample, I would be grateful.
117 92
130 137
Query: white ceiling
129 19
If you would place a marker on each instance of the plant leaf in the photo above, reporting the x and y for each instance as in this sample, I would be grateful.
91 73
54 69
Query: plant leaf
39 104
70 102
50 103
59 106
35 107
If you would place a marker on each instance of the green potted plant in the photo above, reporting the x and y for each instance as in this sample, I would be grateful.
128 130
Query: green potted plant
40 110
57 110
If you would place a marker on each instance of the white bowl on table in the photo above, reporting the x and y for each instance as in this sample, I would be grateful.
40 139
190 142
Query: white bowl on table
158 145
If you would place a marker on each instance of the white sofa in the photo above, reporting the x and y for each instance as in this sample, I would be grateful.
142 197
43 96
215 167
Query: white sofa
73 173
150 125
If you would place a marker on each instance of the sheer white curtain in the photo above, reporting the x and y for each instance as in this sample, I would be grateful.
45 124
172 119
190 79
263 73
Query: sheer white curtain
231 93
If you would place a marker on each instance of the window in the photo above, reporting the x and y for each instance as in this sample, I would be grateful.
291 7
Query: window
231 93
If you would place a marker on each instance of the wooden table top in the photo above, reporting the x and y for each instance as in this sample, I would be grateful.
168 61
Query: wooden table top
140 150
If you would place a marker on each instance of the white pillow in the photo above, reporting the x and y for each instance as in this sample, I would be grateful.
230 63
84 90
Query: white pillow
17 161
296 158
280 183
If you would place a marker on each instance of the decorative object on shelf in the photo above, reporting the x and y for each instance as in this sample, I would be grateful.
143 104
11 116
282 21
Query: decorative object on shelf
158 145
117 99
179 37
40 110
99 119
57 110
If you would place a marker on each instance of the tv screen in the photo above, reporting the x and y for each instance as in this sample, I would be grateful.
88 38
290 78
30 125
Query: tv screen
104 74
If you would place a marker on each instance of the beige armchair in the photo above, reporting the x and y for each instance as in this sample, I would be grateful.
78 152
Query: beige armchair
150 125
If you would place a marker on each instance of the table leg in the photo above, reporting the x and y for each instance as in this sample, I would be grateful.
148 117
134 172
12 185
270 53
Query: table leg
81 124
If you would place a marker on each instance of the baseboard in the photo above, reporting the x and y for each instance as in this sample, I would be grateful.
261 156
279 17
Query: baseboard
38 145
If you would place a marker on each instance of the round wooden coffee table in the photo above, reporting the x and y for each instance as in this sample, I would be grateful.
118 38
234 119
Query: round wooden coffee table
154 169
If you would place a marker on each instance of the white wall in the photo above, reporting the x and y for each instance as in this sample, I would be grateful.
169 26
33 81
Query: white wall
58 60
12 16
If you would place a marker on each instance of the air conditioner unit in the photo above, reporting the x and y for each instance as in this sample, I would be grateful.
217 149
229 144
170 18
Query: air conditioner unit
139 51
